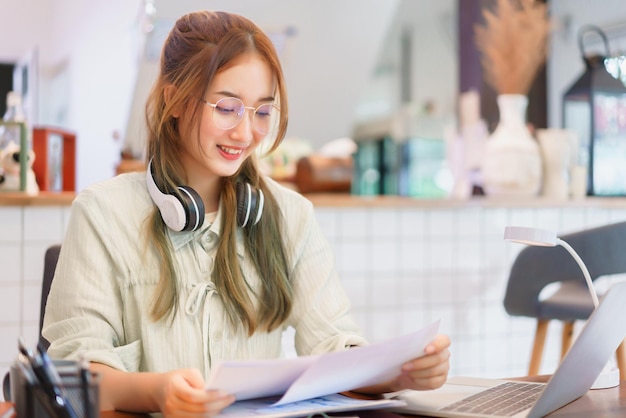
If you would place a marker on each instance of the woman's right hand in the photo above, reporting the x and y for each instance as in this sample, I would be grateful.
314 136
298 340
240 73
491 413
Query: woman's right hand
184 395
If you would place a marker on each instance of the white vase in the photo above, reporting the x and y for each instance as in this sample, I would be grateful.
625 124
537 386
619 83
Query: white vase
558 151
511 164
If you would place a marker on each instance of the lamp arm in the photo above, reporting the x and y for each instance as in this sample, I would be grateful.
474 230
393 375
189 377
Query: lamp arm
582 266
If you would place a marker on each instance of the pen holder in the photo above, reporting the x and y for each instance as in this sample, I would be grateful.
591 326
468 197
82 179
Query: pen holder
31 400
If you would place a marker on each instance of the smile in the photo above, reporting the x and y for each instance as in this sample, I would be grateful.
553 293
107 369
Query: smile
231 151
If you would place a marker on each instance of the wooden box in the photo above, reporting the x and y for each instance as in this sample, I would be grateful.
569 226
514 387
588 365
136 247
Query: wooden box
55 159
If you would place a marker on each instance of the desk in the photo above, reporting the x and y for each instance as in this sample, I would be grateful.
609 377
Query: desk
605 403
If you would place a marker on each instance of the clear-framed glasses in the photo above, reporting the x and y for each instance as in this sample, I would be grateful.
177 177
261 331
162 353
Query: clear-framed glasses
229 111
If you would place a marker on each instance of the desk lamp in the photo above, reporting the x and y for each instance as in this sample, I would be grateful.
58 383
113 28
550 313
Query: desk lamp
544 238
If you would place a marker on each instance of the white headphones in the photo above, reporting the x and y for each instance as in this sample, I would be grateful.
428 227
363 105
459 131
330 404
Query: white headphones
250 202
186 212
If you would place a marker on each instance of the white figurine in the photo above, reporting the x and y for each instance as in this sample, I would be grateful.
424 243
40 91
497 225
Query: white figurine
10 170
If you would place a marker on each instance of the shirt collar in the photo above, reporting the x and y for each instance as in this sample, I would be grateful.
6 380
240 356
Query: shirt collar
182 238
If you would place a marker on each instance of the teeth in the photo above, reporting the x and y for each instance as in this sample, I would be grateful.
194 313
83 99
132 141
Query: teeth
231 150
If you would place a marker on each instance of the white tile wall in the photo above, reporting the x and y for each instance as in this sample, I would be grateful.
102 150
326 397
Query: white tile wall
406 267
402 267
25 234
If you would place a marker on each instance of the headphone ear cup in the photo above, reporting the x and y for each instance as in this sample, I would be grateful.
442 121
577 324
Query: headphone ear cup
250 201
260 202
170 207
180 213
193 206
243 203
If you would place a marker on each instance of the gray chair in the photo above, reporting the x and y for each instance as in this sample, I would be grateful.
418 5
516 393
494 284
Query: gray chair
50 263
603 250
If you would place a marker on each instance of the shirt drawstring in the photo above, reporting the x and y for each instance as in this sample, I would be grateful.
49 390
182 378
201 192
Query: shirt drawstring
197 298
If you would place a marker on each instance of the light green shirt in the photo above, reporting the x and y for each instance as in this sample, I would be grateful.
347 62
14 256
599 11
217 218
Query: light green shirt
105 280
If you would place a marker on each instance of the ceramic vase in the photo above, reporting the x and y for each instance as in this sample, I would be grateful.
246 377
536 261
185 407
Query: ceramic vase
512 164
558 150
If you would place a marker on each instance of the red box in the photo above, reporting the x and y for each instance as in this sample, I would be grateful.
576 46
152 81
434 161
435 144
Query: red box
55 159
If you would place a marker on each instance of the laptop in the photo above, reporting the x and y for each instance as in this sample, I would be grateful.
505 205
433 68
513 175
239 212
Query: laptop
465 396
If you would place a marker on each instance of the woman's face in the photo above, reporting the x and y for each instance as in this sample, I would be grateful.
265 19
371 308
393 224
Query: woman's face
220 152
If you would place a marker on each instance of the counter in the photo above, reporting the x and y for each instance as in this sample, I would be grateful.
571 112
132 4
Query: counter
41 199
339 200
346 200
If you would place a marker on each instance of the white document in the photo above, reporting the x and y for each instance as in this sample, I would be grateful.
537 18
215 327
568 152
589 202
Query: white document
258 379
314 376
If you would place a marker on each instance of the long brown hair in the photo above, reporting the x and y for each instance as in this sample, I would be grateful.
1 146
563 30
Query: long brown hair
200 45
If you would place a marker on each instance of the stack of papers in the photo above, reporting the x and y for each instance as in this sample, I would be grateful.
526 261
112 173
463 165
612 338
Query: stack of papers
301 386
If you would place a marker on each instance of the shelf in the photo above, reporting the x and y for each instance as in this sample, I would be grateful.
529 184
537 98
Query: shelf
341 200
41 199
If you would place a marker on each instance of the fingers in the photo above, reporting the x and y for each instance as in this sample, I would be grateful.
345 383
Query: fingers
185 396
423 381
193 377
429 371
431 376
206 404
201 400
436 352
427 361
439 343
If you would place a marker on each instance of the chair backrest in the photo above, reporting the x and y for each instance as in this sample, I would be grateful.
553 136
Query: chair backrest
49 267
602 249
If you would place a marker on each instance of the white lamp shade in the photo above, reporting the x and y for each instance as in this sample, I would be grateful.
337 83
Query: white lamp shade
530 236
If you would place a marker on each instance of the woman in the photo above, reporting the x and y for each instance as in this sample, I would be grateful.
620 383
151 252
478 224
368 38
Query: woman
201 258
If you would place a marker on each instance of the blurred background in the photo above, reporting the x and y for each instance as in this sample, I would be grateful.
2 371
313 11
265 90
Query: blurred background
87 66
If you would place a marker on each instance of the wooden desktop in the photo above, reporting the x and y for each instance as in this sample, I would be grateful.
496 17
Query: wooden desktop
603 403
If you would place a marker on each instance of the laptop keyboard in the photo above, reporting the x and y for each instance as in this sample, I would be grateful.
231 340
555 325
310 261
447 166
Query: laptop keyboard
506 399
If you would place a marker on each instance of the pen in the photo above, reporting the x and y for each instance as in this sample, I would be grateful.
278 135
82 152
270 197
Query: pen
85 379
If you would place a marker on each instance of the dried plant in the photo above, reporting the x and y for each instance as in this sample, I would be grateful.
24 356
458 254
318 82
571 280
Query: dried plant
513 43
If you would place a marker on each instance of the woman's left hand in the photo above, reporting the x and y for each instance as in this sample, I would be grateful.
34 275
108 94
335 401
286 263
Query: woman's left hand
429 371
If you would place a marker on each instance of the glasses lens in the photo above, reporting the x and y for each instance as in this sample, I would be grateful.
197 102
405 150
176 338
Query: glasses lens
227 112
265 118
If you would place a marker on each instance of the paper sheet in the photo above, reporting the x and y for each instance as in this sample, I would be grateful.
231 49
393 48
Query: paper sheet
314 376
361 366
256 379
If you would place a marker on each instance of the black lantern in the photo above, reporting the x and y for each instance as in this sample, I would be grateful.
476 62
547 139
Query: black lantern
595 108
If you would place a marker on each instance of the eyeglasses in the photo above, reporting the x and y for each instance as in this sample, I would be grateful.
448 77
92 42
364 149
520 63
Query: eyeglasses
229 111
